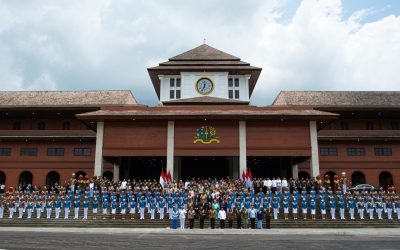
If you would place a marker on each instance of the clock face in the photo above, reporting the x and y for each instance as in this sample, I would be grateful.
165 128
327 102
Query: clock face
204 86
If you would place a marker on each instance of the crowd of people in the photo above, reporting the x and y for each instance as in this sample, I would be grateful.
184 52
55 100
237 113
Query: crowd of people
225 201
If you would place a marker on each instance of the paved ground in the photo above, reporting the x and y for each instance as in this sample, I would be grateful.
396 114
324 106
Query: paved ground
78 238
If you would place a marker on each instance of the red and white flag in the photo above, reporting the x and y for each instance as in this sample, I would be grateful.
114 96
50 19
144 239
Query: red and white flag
169 178
162 177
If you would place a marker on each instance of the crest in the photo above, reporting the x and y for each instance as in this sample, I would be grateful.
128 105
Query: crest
206 135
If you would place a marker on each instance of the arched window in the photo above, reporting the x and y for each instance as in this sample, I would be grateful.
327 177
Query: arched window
2 178
41 126
357 178
331 175
25 180
17 125
66 125
52 179
304 175
385 180
108 175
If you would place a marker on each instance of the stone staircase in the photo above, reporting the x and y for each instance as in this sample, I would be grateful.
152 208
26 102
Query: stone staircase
147 223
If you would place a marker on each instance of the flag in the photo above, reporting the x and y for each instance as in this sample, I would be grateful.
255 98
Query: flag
162 177
169 178
243 176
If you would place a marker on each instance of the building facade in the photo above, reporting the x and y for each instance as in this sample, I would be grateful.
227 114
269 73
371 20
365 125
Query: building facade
203 127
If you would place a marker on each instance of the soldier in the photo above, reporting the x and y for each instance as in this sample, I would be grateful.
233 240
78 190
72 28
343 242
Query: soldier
86 202
389 207
95 206
77 205
122 205
295 206
39 208
313 208
379 208
351 205
58 208
49 206
304 208
142 206
132 207
286 207
21 209
113 207
152 207
161 208
11 208
322 206
370 209
30 208
332 206
275 206
67 207
104 206
360 208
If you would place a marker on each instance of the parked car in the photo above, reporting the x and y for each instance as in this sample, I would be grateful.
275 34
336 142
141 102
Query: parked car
364 187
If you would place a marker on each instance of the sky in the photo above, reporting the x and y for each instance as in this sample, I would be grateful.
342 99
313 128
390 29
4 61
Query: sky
109 44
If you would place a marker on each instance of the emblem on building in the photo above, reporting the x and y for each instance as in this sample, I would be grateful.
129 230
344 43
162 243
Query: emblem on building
206 135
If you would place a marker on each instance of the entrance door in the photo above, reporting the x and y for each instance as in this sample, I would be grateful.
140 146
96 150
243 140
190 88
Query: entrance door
205 167
142 168
270 167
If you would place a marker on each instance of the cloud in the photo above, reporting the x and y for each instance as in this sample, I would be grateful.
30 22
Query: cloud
108 44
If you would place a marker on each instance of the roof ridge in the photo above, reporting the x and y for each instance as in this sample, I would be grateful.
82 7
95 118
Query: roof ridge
204 52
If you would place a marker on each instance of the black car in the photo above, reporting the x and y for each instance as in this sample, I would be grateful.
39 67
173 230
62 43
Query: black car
364 187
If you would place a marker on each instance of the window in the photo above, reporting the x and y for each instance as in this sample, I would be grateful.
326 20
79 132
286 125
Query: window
383 151
395 125
174 88
369 125
82 151
356 151
66 125
5 151
28 151
233 88
17 125
328 151
344 125
55 152
41 126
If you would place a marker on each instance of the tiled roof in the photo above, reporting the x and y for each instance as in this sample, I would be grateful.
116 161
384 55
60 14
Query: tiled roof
204 52
66 98
205 100
357 134
339 98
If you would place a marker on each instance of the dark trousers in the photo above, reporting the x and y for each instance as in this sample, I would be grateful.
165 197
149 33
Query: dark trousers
230 223
212 221
201 223
191 223
239 223
253 223
222 224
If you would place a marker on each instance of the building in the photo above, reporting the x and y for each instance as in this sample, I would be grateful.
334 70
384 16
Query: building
203 127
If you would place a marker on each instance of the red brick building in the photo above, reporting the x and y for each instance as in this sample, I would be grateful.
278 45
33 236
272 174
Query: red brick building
204 126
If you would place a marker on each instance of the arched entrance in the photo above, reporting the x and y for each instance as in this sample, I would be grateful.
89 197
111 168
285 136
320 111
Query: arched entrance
357 178
52 179
304 175
331 175
108 175
385 180
25 179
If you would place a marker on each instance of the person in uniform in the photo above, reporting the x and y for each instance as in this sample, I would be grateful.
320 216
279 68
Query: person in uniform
174 217
39 208
49 207
86 202
95 205
379 208
341 209
389 207
122 205
21 206
142 206
332 207
304 208
351 206
67 207
30 208
260 217
360 209
313 208
152 207
370 209
182 217
104 206
113 207
161 208
77 205
295 206
57 205
286 208
132 207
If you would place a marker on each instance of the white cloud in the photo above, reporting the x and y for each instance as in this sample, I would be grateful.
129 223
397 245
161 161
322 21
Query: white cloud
108 44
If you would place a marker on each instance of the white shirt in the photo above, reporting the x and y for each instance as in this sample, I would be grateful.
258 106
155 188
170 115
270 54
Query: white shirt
222 214
284 183
273 183
269 183
182 213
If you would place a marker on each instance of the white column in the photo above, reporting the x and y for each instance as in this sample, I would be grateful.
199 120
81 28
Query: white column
116 172
295 171
98 161
242 147
314 149
170 147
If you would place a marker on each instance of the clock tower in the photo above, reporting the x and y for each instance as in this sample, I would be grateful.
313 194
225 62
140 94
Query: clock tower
204 76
